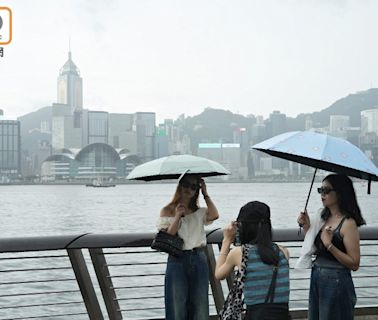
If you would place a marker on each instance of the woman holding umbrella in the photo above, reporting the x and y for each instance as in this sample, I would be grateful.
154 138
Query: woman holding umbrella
187 278
337 242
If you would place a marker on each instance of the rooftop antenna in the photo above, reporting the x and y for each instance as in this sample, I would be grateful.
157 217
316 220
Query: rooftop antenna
69 46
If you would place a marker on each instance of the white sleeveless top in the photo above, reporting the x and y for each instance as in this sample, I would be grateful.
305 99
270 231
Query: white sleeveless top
191 228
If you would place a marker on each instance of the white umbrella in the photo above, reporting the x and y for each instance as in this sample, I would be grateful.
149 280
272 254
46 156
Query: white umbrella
172 167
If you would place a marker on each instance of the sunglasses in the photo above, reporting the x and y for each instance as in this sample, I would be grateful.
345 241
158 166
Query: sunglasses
323 190
188 185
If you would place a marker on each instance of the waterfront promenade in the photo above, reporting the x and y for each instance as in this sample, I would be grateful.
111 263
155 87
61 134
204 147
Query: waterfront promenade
117 276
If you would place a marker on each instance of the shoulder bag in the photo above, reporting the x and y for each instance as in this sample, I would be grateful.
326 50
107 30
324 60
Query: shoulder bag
165 242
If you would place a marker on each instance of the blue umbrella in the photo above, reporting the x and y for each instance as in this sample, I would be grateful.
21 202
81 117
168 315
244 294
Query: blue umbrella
321 152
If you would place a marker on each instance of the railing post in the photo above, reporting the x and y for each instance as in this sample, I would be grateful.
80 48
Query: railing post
85 284
216 286
106 284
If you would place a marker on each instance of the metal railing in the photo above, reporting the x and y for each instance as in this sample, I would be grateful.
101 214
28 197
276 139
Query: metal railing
118 276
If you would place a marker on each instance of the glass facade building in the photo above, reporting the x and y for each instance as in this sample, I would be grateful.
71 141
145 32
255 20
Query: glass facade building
10 148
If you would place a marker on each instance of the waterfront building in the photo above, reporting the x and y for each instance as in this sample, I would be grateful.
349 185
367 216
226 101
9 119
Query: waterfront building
96 160
10 149
70 86
119 125
144 126
97 127
67 113
227 154
66 132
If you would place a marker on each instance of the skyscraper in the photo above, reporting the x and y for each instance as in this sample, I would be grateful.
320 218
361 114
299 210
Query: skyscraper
67 121
70 85
10 148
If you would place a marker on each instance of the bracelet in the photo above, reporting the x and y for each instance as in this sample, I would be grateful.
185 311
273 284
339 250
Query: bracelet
206 196
329 247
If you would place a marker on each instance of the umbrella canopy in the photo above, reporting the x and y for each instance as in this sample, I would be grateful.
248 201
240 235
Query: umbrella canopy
320 151
172 167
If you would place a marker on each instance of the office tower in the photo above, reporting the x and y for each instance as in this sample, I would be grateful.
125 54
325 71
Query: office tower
369 121
338 125
120 131
144 126
97 127
10 148
70 86
277 123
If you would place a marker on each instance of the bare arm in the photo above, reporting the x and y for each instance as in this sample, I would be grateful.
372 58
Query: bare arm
212 211
176 214
351 239
227 259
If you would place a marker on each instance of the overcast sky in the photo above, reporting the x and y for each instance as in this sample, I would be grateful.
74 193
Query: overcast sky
174 56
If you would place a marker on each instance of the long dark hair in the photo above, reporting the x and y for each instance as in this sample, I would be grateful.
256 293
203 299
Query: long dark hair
346 198
255 228
193 204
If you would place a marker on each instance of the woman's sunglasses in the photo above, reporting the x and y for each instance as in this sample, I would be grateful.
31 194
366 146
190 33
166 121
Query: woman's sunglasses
323 190
188 185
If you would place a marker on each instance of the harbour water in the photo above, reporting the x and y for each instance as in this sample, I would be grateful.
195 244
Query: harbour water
37 210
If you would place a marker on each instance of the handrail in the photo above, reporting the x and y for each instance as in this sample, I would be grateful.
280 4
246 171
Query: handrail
118 240
102 278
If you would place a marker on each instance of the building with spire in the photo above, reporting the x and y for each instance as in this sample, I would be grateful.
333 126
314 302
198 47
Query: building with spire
70 85
67 113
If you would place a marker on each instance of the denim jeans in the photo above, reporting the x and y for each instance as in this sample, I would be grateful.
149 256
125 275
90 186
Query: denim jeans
332 294
187 287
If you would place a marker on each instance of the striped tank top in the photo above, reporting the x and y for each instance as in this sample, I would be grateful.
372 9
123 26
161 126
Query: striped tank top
259 277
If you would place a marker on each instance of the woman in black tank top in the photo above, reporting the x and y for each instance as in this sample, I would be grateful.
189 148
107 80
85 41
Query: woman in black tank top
332 294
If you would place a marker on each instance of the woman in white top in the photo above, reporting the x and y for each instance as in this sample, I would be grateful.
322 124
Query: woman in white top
187 277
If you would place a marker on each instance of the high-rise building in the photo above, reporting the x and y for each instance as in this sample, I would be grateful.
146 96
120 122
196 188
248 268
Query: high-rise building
120 125
276 123
144 126
64 132
369 133
338 125
70 85
10 148
369 121
97 127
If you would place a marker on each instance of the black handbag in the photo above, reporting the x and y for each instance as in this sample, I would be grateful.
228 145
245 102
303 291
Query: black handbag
165 242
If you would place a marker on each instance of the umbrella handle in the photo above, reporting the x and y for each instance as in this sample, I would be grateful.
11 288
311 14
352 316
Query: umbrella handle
308 198
309 192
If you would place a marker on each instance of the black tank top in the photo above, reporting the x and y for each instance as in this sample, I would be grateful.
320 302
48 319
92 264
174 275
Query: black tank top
337 240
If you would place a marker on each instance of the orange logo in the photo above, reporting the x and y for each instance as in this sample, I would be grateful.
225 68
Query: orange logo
5 25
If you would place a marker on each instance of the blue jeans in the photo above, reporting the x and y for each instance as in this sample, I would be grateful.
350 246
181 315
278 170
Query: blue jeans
187 287
332 294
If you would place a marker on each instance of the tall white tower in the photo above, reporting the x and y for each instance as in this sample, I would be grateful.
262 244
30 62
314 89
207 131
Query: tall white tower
70 85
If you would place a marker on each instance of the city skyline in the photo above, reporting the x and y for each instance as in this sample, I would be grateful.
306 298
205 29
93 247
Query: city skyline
172 57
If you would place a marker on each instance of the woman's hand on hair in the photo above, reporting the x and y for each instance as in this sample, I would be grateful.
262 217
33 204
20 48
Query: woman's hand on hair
203 187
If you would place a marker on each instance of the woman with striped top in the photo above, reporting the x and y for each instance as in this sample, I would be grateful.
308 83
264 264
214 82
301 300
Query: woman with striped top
266 285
